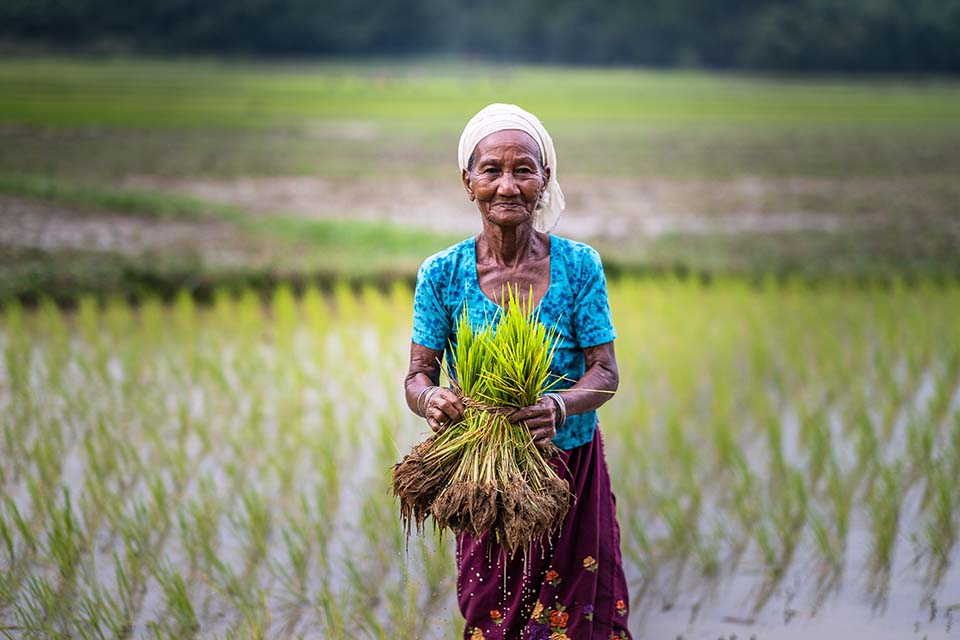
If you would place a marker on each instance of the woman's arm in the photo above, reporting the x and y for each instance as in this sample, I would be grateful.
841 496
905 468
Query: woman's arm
597 385
439 405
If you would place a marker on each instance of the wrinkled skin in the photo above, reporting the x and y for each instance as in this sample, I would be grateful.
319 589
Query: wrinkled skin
506 181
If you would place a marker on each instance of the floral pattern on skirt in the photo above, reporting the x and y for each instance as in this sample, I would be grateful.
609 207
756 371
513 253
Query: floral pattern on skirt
570 587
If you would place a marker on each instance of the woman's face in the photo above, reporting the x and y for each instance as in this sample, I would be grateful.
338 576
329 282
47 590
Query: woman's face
506 179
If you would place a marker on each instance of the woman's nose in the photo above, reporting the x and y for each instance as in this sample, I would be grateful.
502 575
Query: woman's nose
507 185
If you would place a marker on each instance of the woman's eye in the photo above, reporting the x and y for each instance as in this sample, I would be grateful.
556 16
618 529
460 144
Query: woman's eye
489 170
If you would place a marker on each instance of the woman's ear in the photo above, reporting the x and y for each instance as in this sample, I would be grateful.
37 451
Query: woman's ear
465 176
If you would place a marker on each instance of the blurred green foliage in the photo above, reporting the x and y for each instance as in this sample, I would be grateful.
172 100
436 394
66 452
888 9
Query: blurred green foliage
436 99
889 35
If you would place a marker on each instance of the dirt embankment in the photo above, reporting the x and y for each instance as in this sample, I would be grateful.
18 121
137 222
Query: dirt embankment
30 224
606 208
617 212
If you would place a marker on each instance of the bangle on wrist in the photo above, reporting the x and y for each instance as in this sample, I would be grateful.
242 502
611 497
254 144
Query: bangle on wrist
561 407
421 404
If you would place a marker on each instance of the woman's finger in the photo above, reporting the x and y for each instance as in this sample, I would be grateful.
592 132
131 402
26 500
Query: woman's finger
518 415
545 432
526 414
543 443
437 420
459 406
449 404
545 409
543 437
542 426
539 421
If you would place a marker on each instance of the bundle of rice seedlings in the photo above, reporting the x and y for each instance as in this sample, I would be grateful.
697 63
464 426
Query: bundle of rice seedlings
485 474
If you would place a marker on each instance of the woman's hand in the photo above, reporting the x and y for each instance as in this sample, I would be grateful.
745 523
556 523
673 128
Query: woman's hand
443 408
541 420
439 405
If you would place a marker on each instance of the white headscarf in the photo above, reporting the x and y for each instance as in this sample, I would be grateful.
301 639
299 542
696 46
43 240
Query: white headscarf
500 117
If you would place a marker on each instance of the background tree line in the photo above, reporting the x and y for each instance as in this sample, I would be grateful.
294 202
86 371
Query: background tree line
848 35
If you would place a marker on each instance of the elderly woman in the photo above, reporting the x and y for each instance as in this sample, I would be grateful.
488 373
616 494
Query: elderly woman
571 586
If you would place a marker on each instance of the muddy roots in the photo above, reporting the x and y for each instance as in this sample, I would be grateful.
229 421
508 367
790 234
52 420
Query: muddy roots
416 486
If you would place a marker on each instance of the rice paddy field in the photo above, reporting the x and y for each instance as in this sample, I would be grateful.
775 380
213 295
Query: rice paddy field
785 459
120 175
205 320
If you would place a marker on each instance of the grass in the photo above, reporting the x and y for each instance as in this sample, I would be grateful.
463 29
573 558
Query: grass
212 93
130 201
102 118
223 469
280 248
715 151
877 157
360 238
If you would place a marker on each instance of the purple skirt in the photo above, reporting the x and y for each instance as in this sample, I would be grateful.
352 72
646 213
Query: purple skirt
569 587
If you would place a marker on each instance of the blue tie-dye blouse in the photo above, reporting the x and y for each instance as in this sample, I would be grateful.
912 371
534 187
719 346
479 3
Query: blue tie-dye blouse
575 304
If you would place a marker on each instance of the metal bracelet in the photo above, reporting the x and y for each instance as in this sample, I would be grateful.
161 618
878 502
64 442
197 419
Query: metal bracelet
426 403
561 405
422 406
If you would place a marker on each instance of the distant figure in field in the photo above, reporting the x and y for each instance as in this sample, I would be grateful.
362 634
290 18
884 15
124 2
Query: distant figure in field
571 586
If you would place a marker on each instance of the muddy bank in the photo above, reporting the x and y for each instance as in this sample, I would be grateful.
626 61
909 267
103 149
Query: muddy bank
606 208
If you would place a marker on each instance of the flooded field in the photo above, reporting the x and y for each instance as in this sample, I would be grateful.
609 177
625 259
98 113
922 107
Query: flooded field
784 457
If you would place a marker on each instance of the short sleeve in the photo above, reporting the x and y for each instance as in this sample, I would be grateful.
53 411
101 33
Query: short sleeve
432 324
592 321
